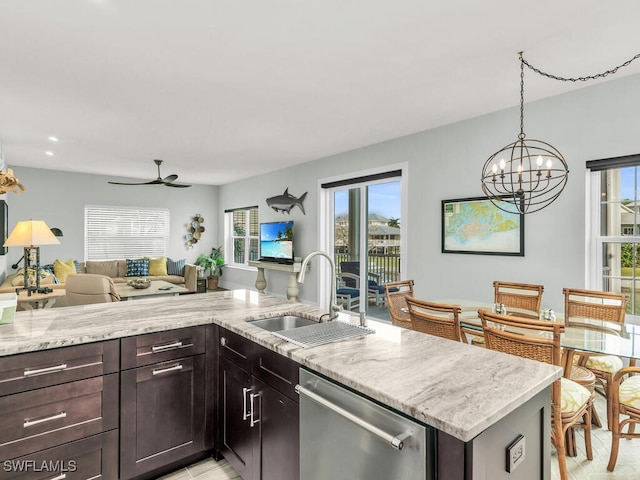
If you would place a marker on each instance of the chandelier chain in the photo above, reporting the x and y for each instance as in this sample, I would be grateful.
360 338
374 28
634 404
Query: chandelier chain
578 79
521 136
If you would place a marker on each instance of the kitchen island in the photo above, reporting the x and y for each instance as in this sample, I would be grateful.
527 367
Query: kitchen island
460 390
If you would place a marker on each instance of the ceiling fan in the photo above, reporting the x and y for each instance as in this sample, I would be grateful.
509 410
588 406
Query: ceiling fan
167 181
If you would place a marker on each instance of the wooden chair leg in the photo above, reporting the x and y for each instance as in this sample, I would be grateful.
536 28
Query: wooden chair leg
562 461
608 392
570 443
559 441
587 430
615 438
595 419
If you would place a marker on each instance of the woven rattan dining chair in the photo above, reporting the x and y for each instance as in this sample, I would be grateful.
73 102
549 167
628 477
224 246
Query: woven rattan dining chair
625 397
396 293
608 306
439 319
525 296
540 340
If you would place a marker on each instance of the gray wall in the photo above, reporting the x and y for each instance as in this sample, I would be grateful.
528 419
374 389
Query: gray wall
598 121
59 199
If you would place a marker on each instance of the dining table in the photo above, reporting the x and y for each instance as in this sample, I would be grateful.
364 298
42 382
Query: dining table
580 334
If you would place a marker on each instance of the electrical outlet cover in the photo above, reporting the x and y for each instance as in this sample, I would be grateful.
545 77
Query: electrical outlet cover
515 453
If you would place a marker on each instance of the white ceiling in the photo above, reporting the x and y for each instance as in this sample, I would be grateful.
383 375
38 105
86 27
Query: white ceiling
226 89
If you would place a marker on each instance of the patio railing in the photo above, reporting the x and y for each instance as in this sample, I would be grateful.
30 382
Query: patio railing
385 267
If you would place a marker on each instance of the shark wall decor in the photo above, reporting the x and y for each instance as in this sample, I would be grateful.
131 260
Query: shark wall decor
286 201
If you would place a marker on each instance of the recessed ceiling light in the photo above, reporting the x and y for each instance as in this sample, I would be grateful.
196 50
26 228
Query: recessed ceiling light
49 153
53 139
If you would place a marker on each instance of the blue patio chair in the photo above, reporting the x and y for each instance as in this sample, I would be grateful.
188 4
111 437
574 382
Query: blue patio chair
375 290
348 291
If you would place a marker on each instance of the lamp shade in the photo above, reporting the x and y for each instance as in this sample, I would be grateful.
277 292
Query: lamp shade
30 233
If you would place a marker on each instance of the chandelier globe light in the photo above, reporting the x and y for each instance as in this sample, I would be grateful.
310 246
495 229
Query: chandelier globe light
529 175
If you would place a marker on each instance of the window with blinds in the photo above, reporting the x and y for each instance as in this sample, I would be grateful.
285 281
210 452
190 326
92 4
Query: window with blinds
125 232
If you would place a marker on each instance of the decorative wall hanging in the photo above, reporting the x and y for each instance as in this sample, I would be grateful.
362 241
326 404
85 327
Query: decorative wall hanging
195 230
529 174
478 225
286 201
9 183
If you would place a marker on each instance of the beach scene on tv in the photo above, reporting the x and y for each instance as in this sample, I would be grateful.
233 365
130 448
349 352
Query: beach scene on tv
276 240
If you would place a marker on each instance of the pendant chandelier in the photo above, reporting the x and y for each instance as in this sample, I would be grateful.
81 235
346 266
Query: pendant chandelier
528 175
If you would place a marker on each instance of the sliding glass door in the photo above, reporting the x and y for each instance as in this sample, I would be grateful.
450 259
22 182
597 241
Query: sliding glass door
366 242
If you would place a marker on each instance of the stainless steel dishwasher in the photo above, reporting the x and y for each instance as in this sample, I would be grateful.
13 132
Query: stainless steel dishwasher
344 435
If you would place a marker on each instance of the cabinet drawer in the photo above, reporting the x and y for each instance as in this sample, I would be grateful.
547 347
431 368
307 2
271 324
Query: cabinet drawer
89 458
236 348
162 346
280 372
28 371
47 417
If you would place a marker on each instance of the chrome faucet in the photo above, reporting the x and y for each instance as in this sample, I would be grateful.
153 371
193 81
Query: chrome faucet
333 308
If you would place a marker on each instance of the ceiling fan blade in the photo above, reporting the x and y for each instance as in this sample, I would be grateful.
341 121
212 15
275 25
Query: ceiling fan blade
170 178
177 185
152 182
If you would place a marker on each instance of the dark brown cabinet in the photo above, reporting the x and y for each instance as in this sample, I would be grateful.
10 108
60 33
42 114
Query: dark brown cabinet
258 410
59 413
238 441
162 399
279 435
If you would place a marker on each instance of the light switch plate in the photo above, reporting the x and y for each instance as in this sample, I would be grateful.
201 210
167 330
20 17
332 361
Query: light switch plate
515 453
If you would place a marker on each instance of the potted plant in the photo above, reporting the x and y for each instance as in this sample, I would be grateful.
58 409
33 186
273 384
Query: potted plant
213 262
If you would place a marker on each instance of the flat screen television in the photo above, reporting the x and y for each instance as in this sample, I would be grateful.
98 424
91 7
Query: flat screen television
276 242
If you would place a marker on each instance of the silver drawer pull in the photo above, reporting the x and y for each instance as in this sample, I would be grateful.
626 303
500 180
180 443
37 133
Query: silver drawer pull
168 346
165 370
31 423
245 414
62 476
252 420
38 371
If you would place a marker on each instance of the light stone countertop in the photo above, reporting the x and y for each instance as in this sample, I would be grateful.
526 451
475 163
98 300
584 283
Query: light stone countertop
457 388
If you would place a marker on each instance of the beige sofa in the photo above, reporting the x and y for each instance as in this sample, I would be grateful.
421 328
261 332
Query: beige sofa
116 269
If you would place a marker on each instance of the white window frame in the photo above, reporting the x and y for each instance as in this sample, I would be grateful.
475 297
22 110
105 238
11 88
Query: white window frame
595 241
230 236
117 232
326 223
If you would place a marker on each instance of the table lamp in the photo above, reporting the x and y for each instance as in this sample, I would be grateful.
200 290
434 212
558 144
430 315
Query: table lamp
30 234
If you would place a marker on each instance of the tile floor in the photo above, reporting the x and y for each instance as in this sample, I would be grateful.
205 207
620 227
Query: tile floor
627 467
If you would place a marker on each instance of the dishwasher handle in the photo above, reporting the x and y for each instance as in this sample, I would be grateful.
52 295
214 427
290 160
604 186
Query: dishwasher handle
396 441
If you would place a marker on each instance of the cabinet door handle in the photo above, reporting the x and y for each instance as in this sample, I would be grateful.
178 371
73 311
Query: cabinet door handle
178 366
163 348
31 423
39 371
252 420
245 414
62 476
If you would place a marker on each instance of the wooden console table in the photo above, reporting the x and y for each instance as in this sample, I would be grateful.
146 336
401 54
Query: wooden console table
293 269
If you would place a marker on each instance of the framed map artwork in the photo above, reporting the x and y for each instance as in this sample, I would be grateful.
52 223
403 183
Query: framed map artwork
476 225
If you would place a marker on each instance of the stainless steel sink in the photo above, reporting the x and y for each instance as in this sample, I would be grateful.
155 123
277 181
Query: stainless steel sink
286 322
322 333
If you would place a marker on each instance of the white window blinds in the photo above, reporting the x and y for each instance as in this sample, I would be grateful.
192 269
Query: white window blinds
125 232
